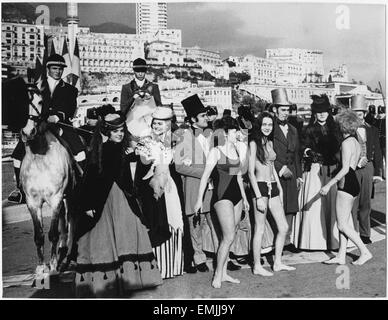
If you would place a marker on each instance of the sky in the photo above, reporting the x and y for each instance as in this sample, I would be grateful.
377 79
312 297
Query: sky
236 28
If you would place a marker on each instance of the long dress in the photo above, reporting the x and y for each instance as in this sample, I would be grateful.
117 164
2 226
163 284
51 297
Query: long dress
164 220
314 227
114 250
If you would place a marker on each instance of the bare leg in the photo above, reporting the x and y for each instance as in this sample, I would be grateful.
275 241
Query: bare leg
260 218
225 213
237 217
344 206
282 226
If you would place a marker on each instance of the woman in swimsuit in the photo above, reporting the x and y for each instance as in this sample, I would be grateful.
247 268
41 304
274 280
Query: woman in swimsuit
268 192
348 188
229 194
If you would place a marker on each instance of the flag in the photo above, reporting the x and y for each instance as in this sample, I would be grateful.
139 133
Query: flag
76 68
45 57
45 52
66 56
52 50
38 73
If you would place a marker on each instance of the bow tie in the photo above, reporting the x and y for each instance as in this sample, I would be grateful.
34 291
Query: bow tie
282 122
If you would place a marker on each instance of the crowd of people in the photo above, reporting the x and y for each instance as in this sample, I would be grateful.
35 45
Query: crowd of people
158 206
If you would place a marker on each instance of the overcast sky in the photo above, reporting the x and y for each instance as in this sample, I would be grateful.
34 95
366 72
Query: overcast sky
250 28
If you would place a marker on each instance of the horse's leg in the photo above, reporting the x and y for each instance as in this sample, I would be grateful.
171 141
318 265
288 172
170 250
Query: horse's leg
63 238
56 205
36 215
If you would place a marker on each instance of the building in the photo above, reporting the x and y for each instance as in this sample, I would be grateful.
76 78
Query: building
202 56
150 17
109 52
261 70
21 44
164 53
311 60
289 73
339 74
169 35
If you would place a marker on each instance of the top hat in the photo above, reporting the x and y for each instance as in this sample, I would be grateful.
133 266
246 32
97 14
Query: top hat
163 113
193 106
280 98
358 103
56 60
139 65
320 103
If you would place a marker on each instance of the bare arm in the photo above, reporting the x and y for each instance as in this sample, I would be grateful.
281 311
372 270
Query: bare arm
346 151
211 162
251 169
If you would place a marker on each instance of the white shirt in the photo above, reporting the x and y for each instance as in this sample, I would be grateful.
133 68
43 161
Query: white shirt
52 84
284 129
139 83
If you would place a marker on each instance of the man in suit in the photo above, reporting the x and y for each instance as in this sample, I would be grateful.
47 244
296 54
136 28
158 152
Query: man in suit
58 107
295 120
288 162
190 161
369 169
138 87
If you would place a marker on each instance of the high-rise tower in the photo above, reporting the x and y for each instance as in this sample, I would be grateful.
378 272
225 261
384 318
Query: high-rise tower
72 25
150 17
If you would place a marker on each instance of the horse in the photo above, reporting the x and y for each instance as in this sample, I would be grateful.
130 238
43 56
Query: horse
46 173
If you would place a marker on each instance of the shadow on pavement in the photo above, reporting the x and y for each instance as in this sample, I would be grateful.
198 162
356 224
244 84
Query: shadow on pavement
379 216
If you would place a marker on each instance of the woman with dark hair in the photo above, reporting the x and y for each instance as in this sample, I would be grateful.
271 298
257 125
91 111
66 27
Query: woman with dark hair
314 225
268 192
114 251
348 188
229 194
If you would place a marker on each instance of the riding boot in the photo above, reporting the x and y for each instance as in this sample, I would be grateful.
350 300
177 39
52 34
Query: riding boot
17 195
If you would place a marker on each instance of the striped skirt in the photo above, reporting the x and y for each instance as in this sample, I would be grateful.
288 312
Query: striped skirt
169 255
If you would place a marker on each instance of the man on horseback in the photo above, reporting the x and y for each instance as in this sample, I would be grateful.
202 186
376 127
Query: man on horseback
138 88
59 106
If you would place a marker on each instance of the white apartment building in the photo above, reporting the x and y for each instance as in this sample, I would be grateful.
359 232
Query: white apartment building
311 60
21 44
109 52
339 74
289 73
164 53
261 70
150 17
202 56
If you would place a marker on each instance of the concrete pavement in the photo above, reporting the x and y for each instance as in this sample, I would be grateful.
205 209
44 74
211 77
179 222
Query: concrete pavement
311 279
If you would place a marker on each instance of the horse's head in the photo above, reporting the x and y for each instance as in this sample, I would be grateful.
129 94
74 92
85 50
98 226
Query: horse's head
34 113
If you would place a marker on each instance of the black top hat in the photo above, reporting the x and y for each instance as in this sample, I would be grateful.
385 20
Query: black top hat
193 106
320 103
139 65
55 60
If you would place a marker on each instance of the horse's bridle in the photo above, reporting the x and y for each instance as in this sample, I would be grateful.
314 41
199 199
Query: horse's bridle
32 117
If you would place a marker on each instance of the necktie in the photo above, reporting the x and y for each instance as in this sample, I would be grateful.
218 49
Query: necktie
282 122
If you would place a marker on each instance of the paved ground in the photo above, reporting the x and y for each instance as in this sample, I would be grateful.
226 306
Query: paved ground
311 279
